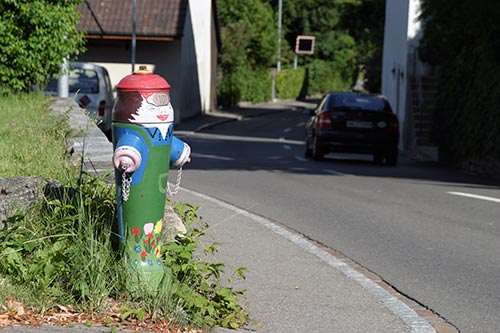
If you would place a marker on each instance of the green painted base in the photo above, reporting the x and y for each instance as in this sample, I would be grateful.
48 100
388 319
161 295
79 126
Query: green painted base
147 280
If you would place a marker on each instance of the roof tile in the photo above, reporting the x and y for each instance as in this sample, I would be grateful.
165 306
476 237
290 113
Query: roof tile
154 18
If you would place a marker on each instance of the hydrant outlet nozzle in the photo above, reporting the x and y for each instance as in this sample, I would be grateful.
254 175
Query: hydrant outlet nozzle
126 159
125 163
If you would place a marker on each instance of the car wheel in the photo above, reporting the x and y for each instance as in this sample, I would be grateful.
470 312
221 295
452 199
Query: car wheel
317 152
308 151
392 157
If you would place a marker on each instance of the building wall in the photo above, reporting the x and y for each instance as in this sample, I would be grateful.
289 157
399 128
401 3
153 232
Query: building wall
190 85
201 12
402 31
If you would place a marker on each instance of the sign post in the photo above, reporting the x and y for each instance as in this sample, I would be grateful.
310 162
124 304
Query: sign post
303 45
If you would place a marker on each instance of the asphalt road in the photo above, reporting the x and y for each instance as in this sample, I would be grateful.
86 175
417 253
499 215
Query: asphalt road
431 232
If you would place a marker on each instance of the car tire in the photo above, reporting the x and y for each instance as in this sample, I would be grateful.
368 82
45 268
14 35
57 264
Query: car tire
317 152
308 152
392 157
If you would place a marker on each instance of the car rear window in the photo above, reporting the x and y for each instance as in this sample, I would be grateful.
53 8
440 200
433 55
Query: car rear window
357 102
83 81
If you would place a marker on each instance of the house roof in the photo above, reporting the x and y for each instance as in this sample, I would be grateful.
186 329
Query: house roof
155 19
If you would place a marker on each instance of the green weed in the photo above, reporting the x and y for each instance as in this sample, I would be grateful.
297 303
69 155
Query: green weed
197 292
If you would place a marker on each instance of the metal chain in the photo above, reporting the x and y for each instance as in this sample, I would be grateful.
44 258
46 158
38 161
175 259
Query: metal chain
177 184
126 181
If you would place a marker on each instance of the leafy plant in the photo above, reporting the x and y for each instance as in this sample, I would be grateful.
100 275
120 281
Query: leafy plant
36 36
197 290
466 117
289 83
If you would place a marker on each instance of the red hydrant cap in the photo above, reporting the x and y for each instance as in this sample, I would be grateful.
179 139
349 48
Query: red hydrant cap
143 79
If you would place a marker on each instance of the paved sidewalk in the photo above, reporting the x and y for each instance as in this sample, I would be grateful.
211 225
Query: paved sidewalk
293 285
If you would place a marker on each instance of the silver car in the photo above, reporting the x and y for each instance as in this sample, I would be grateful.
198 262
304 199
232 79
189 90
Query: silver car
91 88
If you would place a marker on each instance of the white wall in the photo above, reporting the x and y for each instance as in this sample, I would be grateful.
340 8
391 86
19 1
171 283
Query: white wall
400 40
201 19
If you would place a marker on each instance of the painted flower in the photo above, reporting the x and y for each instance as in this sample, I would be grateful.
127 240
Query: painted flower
148 228
158 262
144 254
150 236
137 249
158 251
153 243
158 227
135 231
150 262
136 262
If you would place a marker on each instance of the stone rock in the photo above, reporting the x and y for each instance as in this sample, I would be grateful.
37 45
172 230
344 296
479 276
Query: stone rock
173 225
17 194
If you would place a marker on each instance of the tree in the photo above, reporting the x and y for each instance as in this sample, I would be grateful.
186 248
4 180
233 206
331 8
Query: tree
249 38
349 38
35 38
462 41
364 20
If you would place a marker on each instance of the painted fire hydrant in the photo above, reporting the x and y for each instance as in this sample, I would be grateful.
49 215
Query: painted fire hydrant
144 151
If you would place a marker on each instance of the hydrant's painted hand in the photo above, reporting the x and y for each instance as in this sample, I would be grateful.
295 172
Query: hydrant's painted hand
180 153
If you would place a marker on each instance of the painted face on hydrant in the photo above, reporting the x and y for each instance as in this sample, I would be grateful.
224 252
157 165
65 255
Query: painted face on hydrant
155 111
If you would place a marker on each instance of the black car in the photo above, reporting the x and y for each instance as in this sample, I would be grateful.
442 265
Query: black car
351 122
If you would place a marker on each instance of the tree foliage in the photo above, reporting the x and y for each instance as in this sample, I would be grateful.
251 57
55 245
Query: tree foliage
35 38
349 35
463 42
248 49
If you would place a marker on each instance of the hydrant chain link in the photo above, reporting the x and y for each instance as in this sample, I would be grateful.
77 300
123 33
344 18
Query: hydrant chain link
177 184
126 181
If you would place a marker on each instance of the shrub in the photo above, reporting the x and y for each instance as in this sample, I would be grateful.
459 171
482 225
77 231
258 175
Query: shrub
289 83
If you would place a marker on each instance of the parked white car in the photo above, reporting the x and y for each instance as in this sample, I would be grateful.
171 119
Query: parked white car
91 88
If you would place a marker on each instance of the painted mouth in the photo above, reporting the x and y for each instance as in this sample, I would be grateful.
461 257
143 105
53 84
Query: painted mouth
162 117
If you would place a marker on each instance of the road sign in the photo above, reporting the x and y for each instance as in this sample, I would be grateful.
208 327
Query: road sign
304 44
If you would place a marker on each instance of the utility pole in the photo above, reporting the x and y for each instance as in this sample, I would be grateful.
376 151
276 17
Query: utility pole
280 7
134 14
278 65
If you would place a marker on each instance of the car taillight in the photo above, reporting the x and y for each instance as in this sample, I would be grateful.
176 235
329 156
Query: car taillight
393 126
324 121
102 108
392 123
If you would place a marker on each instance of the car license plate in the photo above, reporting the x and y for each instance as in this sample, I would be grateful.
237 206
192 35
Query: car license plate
359 124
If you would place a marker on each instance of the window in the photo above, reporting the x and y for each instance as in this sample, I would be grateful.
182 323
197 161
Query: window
84 81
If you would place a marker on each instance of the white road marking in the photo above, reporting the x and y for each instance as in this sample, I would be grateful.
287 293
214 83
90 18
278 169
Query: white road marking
214 157
337 173
208 136
475 196
287 130
287 147
302 124
300 158
396 306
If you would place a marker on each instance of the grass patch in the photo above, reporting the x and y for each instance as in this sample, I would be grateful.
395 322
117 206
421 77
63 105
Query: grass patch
62 256
32 140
